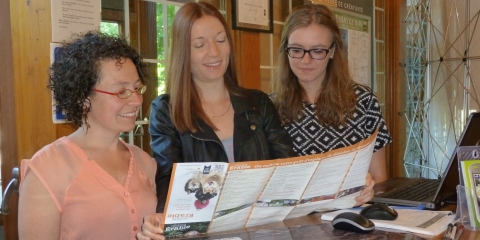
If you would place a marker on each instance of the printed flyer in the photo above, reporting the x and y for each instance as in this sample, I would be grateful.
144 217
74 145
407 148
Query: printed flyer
469 158
206 197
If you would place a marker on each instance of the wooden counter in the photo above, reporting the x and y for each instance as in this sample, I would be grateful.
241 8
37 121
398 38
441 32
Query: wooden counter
312 227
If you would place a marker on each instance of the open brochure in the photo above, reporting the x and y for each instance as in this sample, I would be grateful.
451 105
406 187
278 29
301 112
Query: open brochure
424 222
207 197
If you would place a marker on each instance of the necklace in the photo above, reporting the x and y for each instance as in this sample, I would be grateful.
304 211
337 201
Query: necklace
211 115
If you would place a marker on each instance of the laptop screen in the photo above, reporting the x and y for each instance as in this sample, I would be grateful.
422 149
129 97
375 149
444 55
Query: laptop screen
470 137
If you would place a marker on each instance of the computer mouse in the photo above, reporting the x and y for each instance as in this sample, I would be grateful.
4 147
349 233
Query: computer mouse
379 211
353 222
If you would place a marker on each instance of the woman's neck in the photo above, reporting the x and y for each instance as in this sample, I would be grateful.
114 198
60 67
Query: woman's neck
213 93
92 139
312 89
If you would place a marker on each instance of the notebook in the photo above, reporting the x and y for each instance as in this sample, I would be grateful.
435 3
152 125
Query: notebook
429 193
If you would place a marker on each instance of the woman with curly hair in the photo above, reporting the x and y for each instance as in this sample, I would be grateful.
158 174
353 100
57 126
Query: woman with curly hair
319 104
91 184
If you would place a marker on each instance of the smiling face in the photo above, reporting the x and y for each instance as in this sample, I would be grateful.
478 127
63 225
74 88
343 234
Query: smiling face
310 72
210 50
108 112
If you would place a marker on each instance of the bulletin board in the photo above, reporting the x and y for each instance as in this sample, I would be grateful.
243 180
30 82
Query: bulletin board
354 18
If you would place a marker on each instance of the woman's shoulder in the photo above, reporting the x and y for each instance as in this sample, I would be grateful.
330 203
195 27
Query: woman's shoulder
61 157
138 152
162 102
59 151
362 89
144 161
255 93
162 98
364 93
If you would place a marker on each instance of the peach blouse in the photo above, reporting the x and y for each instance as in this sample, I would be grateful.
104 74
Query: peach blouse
92 204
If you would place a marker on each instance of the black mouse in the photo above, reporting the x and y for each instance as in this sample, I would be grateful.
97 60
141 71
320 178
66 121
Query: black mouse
379 211
353 222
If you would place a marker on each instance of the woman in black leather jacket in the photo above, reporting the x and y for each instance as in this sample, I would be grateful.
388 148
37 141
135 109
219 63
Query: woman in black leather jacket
205 116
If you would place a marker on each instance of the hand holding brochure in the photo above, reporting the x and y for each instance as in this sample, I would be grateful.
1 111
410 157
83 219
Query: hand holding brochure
209 197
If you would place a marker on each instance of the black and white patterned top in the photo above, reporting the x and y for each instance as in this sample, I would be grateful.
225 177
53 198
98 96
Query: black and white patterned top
309 137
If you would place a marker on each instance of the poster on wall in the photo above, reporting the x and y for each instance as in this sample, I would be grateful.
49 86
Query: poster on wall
74 16
58 116
354 19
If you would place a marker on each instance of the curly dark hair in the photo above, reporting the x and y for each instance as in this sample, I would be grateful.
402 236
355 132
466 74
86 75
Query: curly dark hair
76 70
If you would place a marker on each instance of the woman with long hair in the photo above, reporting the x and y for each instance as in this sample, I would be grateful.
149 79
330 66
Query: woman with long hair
319 104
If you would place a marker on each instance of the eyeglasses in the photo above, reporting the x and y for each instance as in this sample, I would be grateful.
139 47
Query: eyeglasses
125 93
317 53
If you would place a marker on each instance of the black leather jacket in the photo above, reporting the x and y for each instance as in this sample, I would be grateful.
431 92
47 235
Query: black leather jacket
257 135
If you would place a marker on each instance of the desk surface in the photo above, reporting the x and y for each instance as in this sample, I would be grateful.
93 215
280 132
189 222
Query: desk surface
312 227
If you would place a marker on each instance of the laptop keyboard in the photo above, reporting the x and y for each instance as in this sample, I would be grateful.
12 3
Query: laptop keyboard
417 192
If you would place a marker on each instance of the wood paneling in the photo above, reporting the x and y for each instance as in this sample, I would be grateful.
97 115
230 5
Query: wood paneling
31 35
26 119
395 85
247 53
8 151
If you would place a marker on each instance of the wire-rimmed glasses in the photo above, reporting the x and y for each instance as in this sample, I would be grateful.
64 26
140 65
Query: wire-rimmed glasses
316 53
125 93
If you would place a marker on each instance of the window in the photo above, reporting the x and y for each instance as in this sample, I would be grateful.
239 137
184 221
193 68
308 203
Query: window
112 28
269 42
147 28
442 90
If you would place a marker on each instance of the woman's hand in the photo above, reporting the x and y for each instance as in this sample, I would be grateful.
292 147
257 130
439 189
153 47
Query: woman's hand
367 193
151 228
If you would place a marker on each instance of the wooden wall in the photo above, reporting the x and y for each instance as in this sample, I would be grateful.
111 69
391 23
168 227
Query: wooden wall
395 85
31 37
8 153
247 55
25 102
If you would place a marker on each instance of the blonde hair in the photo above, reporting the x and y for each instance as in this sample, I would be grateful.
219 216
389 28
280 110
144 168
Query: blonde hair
336 100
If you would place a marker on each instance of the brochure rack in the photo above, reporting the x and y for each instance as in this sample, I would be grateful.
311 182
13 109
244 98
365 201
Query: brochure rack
468 192
463 211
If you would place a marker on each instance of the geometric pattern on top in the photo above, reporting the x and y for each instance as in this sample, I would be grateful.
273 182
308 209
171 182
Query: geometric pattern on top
309 137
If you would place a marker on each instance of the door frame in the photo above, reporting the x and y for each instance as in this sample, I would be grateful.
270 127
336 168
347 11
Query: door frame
8 139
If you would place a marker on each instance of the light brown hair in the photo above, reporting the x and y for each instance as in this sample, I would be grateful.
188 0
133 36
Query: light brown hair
184 97
336 100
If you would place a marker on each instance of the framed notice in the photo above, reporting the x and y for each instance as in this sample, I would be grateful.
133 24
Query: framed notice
253 15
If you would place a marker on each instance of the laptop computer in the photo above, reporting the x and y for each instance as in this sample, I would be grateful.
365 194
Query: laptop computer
429 193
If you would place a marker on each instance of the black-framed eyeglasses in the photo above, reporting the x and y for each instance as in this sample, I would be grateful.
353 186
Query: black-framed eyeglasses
316 53
125 93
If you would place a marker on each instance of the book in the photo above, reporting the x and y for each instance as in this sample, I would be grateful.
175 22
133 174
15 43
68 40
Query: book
469 158
423 222
207 197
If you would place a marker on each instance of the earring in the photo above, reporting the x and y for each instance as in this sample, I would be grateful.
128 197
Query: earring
85 126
